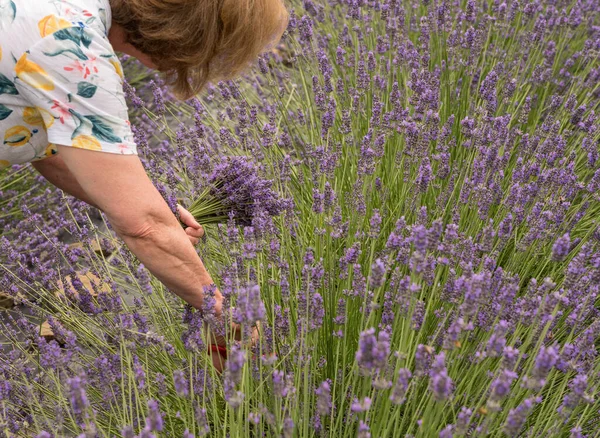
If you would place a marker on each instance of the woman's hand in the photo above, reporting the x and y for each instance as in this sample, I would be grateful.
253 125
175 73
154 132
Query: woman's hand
194 230
218 339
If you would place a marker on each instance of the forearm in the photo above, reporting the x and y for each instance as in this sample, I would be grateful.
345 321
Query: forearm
167 252
120 187
57 173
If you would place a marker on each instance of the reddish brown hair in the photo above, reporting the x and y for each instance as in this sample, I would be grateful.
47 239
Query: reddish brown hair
197 41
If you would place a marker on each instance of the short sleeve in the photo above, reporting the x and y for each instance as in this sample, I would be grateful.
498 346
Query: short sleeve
75 80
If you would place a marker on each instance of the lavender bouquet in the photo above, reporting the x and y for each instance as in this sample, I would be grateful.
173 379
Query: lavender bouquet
234 188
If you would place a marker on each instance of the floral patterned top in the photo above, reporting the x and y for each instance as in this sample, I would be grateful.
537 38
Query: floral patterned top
60 80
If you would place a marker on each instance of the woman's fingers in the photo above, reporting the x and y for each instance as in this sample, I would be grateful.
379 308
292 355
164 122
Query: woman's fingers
187 218
256 333
195 234
194 230
236 330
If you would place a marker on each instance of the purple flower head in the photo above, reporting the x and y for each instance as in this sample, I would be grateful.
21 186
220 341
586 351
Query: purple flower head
154 421
77 394
378 271
371 61
419 238
52 355
440 383
324 398
5 390
288 427
235 182
501 387
375 223
418 315
363 430
340 56
329 196
318 201
361 405
324 64
471 13
398 394
279 383
561 247
159 102
545 360
509 357
130 93
446 432
235 364
283 384
317 311
424 176
140 375
249 307
128 432
181 383
576 433
373 351
506 227
488 91
350 258
497 342
306 28
517 416
463 420
423 357
201 420
577 394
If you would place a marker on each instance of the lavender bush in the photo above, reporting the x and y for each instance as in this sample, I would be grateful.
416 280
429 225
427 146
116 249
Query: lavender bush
430 265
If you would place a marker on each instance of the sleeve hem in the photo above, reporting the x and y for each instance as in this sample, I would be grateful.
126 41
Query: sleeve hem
127 148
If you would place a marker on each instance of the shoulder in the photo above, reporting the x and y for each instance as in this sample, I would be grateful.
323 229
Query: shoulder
23 23
93 14
70 47
69 64
53 15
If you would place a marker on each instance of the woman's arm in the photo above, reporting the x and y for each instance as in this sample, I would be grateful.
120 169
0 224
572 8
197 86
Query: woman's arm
120 187
55 171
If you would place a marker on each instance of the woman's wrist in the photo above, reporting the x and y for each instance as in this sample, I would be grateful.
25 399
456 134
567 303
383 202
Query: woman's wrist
166 251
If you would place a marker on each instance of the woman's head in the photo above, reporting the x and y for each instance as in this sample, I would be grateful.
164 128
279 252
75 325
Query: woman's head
196 41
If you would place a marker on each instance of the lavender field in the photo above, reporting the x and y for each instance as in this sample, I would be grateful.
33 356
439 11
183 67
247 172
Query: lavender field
405 194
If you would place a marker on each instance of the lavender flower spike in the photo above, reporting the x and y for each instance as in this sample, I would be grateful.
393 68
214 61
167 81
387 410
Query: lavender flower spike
440 383
373 351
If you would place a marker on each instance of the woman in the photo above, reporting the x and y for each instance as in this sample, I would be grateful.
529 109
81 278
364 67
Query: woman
62 106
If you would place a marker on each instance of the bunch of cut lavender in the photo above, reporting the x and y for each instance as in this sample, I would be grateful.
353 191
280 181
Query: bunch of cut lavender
235 188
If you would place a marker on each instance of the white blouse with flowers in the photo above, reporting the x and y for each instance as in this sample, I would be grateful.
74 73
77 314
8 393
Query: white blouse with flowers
61 82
